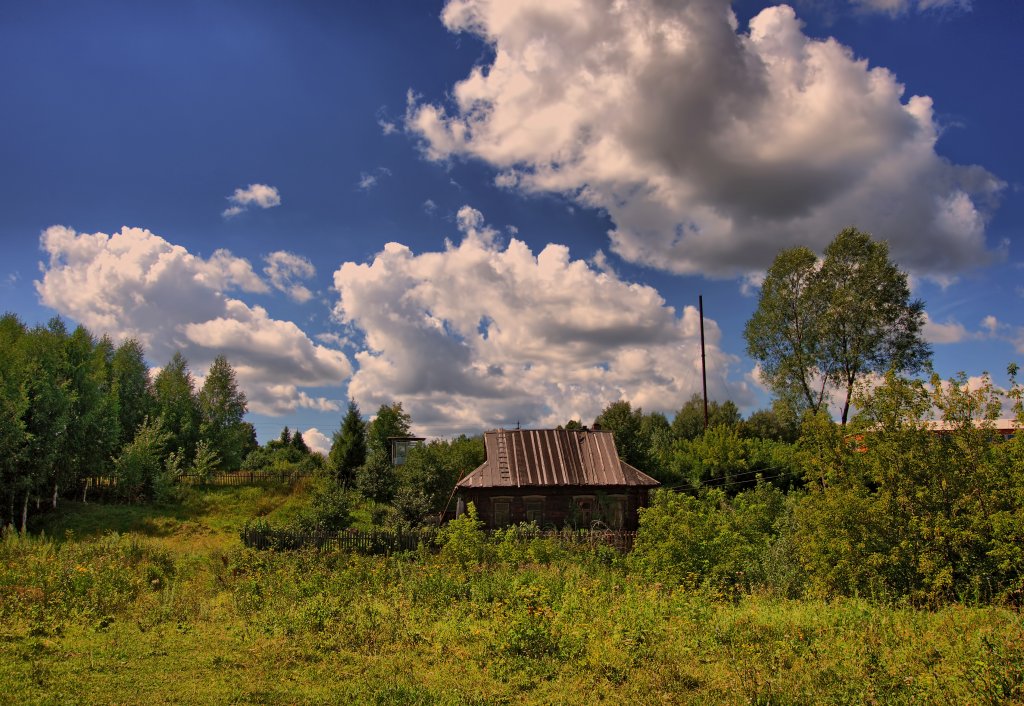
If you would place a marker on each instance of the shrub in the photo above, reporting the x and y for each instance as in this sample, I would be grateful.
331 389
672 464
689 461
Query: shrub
710 540
376 478
463 540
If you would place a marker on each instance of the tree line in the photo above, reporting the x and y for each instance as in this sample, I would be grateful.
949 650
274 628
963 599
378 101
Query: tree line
73 407
883 507
405 494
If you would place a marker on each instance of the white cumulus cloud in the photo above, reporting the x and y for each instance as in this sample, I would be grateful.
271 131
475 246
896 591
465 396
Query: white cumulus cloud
135 283
285 269
480 335
951 331
710 146
317 440
255 194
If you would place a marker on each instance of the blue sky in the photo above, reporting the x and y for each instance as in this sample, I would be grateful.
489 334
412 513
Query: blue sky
559 184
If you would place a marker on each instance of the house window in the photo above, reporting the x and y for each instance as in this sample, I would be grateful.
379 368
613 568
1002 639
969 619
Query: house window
584 511
401 451
614 511
534 509
501 511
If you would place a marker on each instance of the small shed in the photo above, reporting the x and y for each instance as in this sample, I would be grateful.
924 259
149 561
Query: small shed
555 477
400 447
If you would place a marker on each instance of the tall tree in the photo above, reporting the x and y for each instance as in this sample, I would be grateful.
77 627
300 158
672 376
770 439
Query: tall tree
783 334
779 423
93 431
348 447
222 406
130 380
299 444
49 406
689 420
177 407
391 420
827 325
14 403
871 324
627 425
284 441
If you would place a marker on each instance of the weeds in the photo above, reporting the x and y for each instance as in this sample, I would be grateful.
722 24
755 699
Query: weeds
125 618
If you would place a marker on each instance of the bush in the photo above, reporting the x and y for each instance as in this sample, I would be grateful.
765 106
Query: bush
463 540
376 478
329 505
712 541
139 463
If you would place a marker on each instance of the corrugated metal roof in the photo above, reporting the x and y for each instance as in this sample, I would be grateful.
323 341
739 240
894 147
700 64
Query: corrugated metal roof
546 457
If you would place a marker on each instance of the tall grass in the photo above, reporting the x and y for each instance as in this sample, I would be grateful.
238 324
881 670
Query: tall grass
129 619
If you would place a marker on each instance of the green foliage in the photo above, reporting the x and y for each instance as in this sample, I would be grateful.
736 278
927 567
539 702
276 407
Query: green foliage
711 541
689 420
70 409
222 407
329 505
171 619
900 511
177 405
779 423
376 479
428 476
138 466
298 443
276 457
722 458
348 448
285 439
130 383
831 324
463 540
206 461
391 420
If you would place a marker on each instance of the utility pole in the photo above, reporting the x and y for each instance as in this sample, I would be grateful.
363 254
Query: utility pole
703 363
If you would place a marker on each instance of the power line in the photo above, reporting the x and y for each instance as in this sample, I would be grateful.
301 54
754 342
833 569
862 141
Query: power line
732 480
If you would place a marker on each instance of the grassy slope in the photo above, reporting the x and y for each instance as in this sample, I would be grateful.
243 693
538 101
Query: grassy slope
203 519
177 612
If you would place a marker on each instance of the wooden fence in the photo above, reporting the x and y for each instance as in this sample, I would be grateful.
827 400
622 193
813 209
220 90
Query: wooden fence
391 542
242 478
105 487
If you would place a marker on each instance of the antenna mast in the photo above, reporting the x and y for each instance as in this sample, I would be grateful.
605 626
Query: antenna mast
703 364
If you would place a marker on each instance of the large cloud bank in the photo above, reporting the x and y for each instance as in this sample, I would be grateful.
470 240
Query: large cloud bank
135 283
709 147
480 335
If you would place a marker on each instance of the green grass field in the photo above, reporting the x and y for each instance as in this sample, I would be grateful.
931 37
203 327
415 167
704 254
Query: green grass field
172 609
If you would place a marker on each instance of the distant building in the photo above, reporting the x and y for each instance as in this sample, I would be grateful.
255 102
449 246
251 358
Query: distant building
1005 428
555 477
400 446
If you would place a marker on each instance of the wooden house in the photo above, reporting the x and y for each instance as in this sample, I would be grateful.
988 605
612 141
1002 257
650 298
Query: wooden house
555 477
